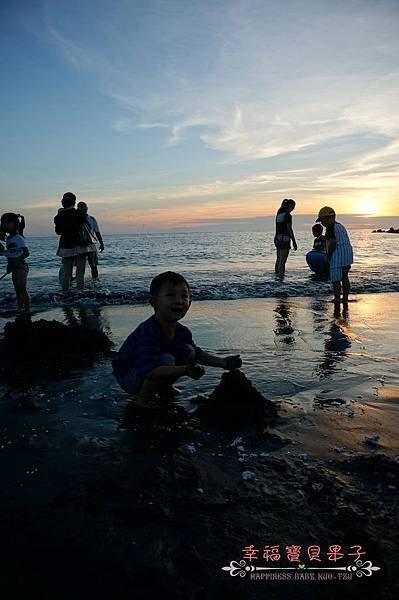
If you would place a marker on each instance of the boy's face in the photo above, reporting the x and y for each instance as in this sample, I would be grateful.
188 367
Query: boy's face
172 301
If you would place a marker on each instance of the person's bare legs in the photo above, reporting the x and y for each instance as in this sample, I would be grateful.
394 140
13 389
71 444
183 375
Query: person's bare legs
163 387
92 260
345 288
153 387
337 291
68 263
337 298
282 255
80 271
278 260
19 279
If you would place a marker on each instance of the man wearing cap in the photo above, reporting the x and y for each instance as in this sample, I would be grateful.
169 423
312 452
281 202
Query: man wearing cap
339 254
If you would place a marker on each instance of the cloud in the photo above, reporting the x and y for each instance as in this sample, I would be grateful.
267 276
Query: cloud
252 89
122 125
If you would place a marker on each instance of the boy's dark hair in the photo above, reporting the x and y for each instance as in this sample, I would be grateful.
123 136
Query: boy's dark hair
317 229
68 200
167 277
286 203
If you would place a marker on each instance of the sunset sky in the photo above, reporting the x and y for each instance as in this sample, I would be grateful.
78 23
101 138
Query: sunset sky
183 113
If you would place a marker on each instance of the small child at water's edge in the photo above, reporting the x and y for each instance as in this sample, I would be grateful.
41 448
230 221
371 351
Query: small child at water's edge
161 350
16 251
319 242
339 254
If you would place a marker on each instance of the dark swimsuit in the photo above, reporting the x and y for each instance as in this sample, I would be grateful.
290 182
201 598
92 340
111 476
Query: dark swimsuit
282 237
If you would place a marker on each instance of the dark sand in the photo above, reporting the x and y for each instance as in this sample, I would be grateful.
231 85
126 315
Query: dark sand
95 504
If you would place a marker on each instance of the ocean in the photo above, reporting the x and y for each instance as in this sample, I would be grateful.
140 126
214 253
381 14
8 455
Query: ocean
219 266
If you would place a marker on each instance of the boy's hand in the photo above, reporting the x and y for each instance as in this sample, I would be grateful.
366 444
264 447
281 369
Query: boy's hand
195 371
232 362
295 245
101 248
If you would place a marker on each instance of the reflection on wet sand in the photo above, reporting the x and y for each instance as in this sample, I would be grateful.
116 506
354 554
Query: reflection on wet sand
336 346
89 317
285 333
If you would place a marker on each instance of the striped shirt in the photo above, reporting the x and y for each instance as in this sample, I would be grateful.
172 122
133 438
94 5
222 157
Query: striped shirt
143 348
343 253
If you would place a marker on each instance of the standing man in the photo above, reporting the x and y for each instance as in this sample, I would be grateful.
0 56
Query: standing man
67 225
92 256
339 254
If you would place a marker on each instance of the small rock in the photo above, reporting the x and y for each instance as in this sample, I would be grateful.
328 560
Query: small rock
248 475
317 487
190 448
372 440
303 456
236 441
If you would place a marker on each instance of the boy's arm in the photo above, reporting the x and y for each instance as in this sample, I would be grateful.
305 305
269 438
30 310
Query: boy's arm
149 367
210 360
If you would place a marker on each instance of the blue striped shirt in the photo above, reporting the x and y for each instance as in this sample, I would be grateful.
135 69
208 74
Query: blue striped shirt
343 253
143 348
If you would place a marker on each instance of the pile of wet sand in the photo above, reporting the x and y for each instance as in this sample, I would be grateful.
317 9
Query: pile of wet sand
39 348
236 403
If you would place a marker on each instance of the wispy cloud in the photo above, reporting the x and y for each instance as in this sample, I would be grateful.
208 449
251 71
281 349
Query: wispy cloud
255 79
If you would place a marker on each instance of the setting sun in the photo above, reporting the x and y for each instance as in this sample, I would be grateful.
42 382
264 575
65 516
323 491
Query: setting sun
364 206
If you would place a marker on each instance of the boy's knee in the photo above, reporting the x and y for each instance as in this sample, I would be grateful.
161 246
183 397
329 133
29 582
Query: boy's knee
167 360
129 382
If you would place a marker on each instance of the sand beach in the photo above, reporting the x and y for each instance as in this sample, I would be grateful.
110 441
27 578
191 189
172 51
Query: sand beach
96 503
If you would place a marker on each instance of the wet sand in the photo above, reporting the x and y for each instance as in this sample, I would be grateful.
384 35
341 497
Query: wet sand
96 505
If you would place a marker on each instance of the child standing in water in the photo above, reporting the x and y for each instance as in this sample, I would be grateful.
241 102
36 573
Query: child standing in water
339 254
284 234
16 251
